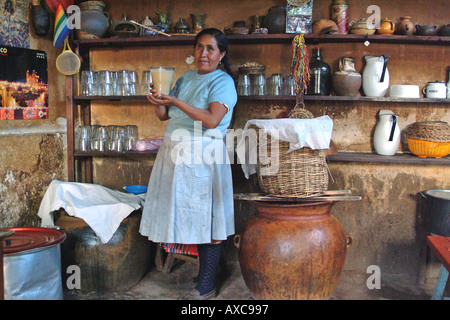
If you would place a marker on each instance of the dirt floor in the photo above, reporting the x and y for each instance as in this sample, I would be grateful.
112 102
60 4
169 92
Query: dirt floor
156 285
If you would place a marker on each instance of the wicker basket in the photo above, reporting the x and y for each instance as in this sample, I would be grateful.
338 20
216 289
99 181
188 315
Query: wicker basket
428 149
300 173
436 131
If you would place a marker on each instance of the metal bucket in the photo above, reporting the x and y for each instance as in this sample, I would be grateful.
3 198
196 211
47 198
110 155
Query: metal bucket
437 217
32 264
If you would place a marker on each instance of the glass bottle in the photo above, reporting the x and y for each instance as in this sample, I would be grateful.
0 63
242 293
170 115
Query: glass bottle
320 81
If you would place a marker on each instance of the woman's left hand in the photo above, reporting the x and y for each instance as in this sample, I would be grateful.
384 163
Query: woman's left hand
161 99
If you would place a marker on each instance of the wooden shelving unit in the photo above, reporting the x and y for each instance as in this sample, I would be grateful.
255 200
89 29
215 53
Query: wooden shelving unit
124 43
263 39
81 99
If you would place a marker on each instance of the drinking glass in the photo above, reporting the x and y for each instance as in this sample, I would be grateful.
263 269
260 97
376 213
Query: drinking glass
162 78
83 138
145 83
100 139
259 85
275 84
244 85
130 137
117 138
123 83
86 82
289 85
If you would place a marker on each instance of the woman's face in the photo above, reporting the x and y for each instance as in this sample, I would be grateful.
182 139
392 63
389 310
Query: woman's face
207 54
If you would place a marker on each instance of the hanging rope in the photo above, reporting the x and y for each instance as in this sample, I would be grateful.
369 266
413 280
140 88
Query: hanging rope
300 65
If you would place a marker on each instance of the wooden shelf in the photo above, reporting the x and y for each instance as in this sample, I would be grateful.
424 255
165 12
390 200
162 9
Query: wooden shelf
83 154
81 99
347 98
261 39
404 158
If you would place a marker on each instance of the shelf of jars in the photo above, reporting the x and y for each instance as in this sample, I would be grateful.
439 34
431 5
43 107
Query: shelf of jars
84 99
264 38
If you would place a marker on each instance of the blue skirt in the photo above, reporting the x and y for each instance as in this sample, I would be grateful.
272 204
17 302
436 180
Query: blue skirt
190 193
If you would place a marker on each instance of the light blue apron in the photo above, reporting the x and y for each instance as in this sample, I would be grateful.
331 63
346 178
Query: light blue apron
190 193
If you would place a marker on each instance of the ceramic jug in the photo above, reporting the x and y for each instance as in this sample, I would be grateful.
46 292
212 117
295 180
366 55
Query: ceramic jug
347 81
386 138
375 77
94 20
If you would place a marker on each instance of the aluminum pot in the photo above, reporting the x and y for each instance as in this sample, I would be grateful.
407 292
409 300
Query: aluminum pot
437 207
32 264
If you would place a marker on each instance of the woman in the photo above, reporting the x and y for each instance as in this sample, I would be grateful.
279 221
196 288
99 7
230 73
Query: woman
190 197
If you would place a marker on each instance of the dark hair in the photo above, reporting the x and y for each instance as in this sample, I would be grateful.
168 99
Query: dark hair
222 43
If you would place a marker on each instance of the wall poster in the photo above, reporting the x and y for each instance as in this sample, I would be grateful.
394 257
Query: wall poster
23 84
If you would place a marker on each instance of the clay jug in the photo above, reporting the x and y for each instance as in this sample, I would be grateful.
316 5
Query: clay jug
386 137
94 21
347 81
375 77
406 26
275 20
292 251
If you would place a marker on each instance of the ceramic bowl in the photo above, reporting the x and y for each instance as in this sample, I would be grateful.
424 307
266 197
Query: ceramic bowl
404 91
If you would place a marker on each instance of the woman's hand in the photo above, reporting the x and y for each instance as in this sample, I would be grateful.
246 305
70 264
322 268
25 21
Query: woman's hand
161 99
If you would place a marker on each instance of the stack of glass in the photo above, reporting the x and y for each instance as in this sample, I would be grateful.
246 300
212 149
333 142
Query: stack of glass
106 138
109 83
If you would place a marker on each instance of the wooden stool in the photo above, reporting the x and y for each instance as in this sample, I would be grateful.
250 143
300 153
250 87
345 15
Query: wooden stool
441 248
166 266
3 234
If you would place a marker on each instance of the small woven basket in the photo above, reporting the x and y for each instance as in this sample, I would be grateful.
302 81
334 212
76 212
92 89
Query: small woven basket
300 173
435 131
429 139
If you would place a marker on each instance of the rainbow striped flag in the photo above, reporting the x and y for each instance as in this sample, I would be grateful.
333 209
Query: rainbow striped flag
61 28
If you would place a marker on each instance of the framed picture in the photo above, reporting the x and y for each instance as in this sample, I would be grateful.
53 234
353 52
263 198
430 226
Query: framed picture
299 18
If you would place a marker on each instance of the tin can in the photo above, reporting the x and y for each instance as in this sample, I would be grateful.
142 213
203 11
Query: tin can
339 14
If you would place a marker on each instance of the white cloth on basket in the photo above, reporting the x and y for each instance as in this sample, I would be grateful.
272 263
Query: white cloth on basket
101 208
313 133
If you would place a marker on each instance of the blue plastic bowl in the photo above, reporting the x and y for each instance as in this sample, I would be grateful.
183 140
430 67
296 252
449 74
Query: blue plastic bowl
136 189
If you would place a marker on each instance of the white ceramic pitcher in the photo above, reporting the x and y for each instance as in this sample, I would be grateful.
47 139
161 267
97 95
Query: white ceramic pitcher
386 138
375 77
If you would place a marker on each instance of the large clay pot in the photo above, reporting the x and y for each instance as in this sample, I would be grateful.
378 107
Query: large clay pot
94 21
275 20
292 251
114 266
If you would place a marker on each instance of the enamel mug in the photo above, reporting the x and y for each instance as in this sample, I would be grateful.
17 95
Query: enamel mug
436 90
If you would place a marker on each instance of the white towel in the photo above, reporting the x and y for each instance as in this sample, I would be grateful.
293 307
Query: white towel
313 133
101 208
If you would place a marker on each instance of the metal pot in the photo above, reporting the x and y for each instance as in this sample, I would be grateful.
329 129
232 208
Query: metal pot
32 264
437 207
